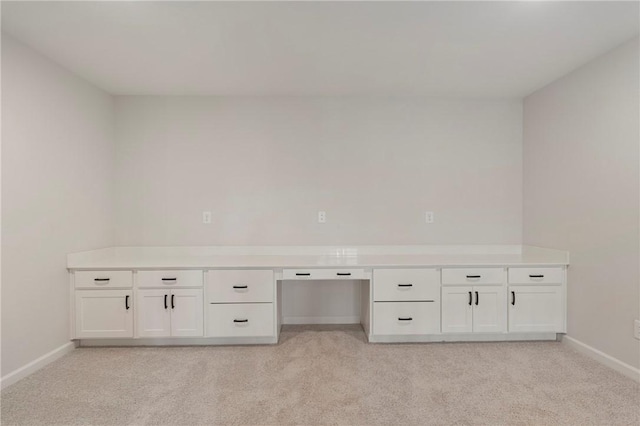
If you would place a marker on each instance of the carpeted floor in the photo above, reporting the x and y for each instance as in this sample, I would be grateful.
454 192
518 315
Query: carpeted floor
326 375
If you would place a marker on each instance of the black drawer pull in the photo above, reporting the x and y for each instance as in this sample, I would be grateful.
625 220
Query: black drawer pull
240 320
474 276
536 276
405 319
101 279
405 285
344 274
303 274
169 279
470 299
513 298
240 286
165 301
173 306
126 302
477 298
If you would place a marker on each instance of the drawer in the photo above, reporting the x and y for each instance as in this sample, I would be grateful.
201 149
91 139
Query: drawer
396 285
240 320
532 276
170 278
239 286
472 276
323 274
398 318
103 279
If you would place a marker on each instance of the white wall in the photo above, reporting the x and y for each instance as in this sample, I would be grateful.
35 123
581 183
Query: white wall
265 166
57 195
581 193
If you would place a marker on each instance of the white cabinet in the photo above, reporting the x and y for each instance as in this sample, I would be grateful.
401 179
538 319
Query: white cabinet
479 309
537 299
536 308
241 303
165 313
406 302
103 313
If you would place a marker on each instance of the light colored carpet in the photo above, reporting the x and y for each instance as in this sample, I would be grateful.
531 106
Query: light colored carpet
326 375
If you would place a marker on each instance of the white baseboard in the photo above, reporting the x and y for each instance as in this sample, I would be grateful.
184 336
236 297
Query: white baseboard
321 320
36 365
603 358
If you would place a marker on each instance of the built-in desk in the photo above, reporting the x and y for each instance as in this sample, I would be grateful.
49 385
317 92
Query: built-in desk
233 295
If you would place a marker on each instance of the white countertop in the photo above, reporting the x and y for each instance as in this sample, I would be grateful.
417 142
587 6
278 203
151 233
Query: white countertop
314 257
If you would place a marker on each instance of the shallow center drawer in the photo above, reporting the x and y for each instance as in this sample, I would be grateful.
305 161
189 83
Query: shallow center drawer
324 274
472 276
170 278
239 286
103 279
396 285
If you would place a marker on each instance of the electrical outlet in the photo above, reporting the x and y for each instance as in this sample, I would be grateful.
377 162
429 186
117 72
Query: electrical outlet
206 217
322 217
636 329
428 217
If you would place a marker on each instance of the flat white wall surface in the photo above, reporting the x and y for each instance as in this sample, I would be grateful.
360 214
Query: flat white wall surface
266 166
581 190
57 172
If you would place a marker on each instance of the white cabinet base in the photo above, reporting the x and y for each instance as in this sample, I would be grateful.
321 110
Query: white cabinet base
464 337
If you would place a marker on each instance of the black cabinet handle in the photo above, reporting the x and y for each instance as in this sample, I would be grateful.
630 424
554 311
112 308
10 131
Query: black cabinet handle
513 298
101 279
240 320
169 279
405 285
165 301
172 301
474 276
240 286
405 319
477 298
536 276
470 299
302 274
126 302
344 274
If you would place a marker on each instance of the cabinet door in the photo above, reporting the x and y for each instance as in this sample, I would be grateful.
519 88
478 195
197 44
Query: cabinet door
154 317
536 308
186 312
104 313
456 310
489 309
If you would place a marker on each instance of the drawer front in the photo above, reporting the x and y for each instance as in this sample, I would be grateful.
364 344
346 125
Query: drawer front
396 285
169 278
532 276
324 274
240 320
103 279
472 276
239 286
401 318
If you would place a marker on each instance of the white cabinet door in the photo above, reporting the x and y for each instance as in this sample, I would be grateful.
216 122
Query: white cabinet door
104 313
489 309
536 308
457 311
154 313
186 313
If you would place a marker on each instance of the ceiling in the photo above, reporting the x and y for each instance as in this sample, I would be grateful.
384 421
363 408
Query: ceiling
445 49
